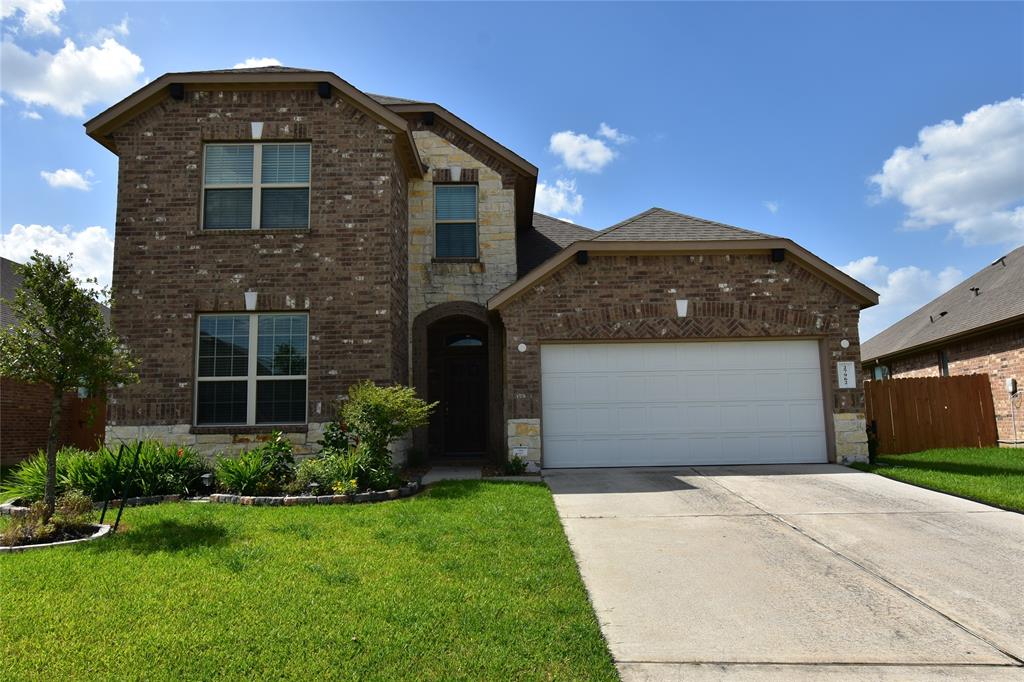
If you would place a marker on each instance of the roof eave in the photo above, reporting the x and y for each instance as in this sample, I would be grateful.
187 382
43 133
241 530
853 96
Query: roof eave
944 340
865 296
100 126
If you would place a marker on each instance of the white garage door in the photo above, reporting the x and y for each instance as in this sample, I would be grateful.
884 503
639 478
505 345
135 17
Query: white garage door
655 404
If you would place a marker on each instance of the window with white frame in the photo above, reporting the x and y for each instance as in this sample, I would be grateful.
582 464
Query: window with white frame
254 186
251 369
455 220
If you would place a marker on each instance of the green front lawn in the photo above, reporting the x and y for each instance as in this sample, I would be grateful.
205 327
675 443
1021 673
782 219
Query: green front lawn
470 580
991 475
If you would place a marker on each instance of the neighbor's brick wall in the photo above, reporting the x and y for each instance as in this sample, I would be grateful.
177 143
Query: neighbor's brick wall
619 297
344 270
999 354
25 419
432 283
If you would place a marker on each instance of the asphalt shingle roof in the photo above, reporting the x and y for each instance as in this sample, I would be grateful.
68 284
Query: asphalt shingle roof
548 237
1000 297
659 224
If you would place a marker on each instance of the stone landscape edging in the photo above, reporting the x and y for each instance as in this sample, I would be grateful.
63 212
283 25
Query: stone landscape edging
307 500
100 532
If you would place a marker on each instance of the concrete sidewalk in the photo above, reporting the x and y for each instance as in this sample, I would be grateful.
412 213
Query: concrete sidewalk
794 572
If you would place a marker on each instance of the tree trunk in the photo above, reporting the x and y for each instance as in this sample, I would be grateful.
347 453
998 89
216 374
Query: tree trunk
50 495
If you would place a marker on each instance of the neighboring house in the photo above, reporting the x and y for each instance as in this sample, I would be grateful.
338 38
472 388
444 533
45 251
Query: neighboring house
281 234
25 408
977 327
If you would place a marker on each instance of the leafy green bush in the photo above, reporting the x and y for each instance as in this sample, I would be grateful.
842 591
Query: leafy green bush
278 451
515 466
336 471
335 437
248 474
162 470
377 416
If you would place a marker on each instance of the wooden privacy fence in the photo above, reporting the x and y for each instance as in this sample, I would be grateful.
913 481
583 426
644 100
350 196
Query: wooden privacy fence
931 412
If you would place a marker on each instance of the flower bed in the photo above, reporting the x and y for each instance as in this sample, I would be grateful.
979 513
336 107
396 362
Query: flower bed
97 533
13 508
297 500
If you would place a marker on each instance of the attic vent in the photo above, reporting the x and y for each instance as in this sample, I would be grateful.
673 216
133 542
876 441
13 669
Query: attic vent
976 290
1000 261
931 318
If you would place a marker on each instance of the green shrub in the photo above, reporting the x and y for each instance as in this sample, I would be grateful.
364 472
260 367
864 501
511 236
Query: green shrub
162 470
248 474
515 466
345 471
335 437
278 451
377 416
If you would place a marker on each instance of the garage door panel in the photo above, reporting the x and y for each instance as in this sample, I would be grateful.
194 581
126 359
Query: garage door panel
678 403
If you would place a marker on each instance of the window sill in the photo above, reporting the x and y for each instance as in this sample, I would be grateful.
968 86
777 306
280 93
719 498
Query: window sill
454 260
252 232
245 429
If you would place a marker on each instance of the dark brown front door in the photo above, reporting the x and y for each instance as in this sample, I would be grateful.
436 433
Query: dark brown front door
465 403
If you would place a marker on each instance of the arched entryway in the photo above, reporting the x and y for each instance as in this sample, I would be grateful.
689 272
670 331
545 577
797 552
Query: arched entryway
456 363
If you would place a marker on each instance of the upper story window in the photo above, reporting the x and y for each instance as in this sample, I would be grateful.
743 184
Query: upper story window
455 221
254 186
251 369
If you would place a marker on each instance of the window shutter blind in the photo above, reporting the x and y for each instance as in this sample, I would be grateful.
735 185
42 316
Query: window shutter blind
455 202
285 163
228 164
456 240
282 208
227 209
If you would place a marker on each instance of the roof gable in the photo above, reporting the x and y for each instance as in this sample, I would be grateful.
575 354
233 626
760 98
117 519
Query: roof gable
999 299
659 224
102 125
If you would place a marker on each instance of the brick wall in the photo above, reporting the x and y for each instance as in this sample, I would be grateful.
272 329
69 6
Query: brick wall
998 354
347 270
25 419
620 297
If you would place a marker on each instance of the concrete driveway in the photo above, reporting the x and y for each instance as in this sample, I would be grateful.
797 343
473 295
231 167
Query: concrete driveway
794 572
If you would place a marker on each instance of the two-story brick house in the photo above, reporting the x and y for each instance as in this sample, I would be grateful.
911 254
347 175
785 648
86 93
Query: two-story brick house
281 234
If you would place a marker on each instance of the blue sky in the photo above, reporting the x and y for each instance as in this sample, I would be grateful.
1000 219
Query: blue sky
784 118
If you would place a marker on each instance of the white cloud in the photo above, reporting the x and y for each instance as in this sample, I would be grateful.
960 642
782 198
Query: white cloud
256 62
613 134
36 16
119 29
68 177
900 291
560 197
772 206
92 248
968 175
581 152
71 78
32 115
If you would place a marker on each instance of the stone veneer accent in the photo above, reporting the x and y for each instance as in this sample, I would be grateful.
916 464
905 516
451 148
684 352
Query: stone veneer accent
618 297
851 437
433 282
227 441
525 433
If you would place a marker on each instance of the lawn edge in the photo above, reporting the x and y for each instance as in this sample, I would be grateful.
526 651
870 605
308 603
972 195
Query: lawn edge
874 470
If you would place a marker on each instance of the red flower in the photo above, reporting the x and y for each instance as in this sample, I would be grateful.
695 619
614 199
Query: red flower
181 452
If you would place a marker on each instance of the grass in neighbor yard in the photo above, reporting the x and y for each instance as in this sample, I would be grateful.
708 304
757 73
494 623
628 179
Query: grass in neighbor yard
991 475
469 580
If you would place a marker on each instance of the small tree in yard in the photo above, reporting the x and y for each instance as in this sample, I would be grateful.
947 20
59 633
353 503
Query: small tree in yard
61 340
379 415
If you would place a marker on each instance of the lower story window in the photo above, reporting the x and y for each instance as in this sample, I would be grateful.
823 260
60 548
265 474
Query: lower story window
251 369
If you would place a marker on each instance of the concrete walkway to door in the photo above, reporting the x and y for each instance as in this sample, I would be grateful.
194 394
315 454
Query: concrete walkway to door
794 572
